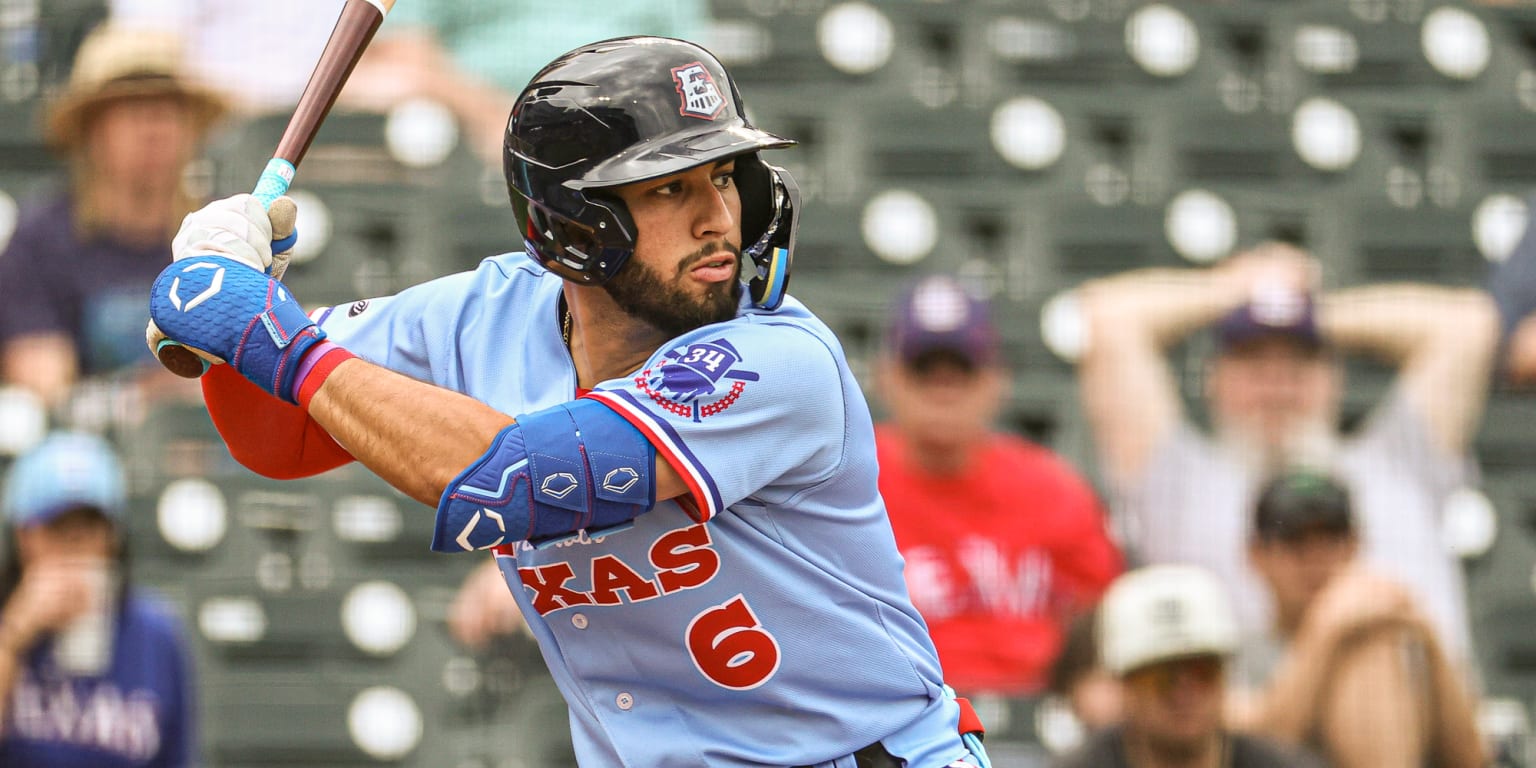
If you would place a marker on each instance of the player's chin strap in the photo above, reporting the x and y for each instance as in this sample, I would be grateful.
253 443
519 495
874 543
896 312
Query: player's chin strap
772 254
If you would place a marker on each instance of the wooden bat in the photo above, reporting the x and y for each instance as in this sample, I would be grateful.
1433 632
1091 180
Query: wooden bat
354 29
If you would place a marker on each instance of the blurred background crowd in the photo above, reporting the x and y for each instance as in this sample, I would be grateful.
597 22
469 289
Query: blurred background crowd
1202 336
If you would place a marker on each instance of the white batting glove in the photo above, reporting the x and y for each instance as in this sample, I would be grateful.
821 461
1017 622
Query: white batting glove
238 227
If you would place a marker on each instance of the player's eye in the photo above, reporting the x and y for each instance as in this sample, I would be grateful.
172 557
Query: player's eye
724 179
669 189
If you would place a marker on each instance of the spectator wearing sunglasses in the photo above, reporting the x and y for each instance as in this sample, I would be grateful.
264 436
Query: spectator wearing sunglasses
1166 632
1352 668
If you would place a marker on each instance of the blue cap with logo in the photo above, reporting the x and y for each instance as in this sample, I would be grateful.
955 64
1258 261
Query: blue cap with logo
65 471
938 314
1272 312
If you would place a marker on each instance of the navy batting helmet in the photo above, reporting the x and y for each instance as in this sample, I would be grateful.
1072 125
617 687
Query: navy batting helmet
627 110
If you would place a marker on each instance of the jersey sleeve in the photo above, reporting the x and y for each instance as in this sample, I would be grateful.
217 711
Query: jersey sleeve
744 409
413 332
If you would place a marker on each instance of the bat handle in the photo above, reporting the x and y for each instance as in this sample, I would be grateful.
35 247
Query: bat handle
273 184
274 181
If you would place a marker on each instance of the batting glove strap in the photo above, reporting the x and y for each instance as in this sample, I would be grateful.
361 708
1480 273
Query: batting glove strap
554 474
223 306
284 245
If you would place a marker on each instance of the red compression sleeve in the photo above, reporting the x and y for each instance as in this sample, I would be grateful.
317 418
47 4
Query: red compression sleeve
265 434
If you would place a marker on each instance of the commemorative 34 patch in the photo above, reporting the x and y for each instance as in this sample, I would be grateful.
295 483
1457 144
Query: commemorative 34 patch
697 381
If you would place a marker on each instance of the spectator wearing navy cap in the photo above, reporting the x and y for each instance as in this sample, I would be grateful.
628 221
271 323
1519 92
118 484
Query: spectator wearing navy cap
1004 541
1272 389
93 672
1352 669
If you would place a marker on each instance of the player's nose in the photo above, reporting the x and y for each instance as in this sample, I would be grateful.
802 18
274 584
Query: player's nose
714 216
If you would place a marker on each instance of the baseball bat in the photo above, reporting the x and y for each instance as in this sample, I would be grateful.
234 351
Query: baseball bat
354 29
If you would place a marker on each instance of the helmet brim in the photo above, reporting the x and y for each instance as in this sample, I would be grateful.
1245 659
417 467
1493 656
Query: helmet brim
653 160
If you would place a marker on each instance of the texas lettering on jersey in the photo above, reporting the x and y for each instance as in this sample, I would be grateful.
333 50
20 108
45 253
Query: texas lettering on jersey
726 642
682 559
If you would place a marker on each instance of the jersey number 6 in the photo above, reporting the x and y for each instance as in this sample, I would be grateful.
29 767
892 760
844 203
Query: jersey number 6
730 648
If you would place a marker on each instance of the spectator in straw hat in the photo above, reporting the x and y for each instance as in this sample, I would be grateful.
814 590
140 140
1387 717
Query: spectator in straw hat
73 276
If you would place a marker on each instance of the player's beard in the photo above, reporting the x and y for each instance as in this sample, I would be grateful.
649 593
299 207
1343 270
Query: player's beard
667 305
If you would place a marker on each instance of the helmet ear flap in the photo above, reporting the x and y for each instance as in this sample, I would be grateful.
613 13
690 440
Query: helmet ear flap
572 249
770 200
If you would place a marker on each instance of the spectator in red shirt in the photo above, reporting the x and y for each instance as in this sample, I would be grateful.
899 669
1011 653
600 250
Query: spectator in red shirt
1004 541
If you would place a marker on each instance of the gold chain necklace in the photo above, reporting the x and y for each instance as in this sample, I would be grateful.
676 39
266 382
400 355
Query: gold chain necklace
565 325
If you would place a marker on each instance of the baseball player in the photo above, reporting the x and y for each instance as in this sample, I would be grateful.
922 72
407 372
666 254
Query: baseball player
678 480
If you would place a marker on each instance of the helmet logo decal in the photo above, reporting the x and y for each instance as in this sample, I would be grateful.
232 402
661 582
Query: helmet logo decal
700 96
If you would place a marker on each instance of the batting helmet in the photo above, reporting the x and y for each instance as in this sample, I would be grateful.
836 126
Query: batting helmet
627 110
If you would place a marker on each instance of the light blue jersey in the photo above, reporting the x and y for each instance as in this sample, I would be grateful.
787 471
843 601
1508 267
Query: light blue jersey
760 621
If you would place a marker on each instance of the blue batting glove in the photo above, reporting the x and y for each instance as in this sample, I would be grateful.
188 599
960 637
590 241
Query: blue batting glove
226 308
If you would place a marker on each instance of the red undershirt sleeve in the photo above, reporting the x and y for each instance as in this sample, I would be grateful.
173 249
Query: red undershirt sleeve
265 434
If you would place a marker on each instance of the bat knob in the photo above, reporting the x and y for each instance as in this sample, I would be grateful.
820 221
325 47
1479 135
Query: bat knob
180 360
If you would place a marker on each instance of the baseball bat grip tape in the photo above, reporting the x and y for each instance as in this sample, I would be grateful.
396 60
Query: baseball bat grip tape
274 181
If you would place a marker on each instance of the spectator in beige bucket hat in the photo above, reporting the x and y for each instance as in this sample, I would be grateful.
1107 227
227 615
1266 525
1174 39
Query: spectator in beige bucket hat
128 122
127 62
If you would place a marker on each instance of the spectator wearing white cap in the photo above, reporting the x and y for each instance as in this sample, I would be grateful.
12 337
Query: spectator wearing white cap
1353 668
1167 632
94 672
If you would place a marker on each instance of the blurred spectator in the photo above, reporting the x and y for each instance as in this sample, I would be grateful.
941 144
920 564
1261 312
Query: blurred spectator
472 56
475 56
1004 541
94 672
258 56
1512 284
1352 667
1079 677
1273 390
72 279
484 618
1167 632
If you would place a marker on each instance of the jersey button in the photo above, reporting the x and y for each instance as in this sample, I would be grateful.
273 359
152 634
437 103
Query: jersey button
625 701
579 620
